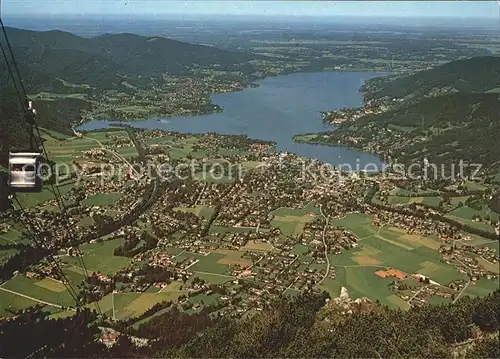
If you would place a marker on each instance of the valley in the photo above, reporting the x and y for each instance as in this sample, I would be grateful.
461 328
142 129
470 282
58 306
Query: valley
271 194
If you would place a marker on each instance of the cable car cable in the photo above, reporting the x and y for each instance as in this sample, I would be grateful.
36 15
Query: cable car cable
32 230
63 209
13 58
21 93
11 73
27 227
30 119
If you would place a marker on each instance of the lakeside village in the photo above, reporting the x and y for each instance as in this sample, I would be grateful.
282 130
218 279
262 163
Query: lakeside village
370 107
177 96
336 117
231 245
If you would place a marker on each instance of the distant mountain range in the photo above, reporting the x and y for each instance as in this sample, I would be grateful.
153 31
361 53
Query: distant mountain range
60 62
104 62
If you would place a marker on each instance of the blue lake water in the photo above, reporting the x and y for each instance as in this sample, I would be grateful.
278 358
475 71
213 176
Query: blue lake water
278 109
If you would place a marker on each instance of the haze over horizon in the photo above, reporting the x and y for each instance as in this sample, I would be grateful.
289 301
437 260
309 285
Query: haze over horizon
148 8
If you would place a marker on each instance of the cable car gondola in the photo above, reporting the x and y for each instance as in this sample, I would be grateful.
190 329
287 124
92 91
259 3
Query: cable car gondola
24 171
25 175
24 165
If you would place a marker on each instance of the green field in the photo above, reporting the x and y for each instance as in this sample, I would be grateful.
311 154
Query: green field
474 186
13 302
390 247
129 305
13 236
359 224
34 199
465 214
165 140
222 229
173 250
204 299
300 249
209 264
201 211
291 221
105 136
71 149
214 278
454 201
407 193
47 290
128 152
482 287
361 282
99 257
431 201
393 200
102 199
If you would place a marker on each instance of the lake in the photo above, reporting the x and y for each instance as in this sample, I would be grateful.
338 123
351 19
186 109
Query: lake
278 109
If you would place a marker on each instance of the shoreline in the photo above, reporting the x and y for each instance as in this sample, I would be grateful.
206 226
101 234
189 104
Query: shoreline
296 139
254 83
376 156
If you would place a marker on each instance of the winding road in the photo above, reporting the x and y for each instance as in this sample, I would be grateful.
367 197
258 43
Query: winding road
116 154
327 271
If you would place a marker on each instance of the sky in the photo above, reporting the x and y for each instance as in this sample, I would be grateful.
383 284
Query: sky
461 9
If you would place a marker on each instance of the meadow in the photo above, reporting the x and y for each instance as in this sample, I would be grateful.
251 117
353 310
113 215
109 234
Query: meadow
99 257
201 211
390 247
291 221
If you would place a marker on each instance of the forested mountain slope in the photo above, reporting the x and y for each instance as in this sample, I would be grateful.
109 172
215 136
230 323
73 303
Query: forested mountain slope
63 63
303 327
476 75
105 61
444 129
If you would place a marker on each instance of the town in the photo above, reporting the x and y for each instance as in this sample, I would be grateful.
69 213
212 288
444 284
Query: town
239 224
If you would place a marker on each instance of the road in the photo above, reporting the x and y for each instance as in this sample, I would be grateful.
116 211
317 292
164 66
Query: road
359 265
192 264
466 284
35 299
290 286
113 301
217 274
416 293
326 247
288 266
201 194
117 155
7 239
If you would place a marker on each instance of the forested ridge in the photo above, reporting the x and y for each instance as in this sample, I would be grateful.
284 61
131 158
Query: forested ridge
474 75
103 62
444 129
59 62
447 114
300 327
